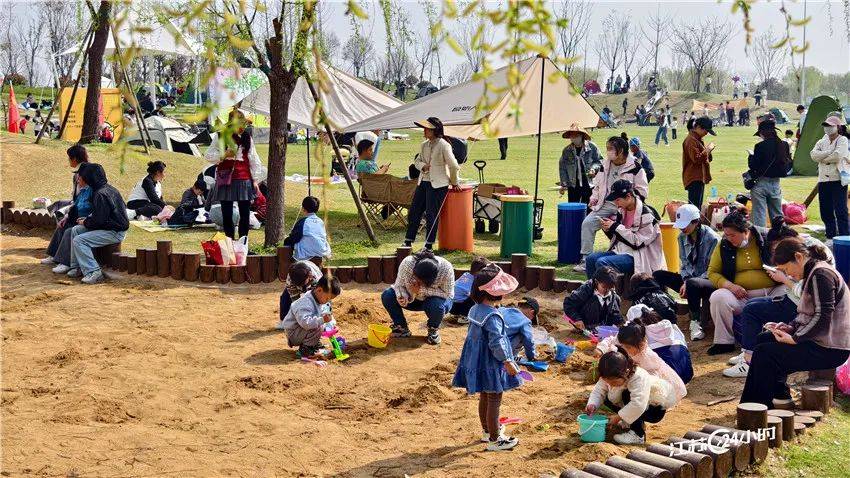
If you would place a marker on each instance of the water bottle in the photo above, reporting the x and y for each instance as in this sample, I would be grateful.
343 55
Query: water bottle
713 192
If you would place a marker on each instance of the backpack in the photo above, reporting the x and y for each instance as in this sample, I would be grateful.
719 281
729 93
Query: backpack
460 148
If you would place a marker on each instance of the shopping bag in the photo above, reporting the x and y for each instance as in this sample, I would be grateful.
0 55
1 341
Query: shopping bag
240 249
795 213
219 250
228 255
212 253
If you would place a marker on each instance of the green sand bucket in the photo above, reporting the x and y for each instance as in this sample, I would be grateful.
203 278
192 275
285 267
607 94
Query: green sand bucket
592 428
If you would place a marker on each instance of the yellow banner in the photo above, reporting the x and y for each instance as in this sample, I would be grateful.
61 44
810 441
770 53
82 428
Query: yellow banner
111 113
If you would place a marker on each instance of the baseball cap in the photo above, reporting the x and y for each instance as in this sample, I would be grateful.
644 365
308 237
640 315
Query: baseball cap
705 123
635 141
620 189
686 214
531 303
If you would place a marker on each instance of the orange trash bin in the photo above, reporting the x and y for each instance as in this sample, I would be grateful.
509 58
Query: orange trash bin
455 230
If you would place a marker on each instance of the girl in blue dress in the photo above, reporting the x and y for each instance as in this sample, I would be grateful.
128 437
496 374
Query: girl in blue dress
487 365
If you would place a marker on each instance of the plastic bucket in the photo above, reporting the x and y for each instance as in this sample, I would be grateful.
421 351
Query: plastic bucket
592 428
378 336
841 251
604 331
670 246
563 352
517 225
570 217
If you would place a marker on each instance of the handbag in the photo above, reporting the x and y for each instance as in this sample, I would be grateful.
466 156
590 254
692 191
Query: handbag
751 179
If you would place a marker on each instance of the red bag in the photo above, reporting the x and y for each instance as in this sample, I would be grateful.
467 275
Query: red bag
795 213
212 252
219 250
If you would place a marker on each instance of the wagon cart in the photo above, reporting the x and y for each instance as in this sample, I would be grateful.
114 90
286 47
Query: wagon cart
486 205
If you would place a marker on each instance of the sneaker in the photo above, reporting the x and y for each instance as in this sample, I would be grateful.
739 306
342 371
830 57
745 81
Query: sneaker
502 443
74 272
279 325
629 438
737 371
61 269
94 277
696 331
581 266
736 359
131 214
400 332
433 336
462 319
48 260
721 349
485 437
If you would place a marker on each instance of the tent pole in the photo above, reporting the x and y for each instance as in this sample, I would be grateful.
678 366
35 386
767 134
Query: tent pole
360 211
140 122
309 183
59 88
76 85
539 127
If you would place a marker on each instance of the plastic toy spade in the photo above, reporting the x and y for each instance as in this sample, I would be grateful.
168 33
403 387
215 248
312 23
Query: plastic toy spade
586 332
526 375
537 366
338 350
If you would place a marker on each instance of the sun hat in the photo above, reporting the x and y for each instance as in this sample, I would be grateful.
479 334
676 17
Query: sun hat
575 128
502 284
686 214
832 121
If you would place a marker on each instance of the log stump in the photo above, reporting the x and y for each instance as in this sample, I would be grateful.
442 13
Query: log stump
141 261
151 262
103 254
547 278
816 414
707 463
17 217
816 397
402 252
375 269
783 404
677 468
176 265
360 274
637 468
606 471
207 274
163 261
25 219
774 424
388 268
253 269
284 260
758 441
132 264
237 274
799 429
222 274
751 416
742 453
116 259
808 422
505 266
559 285
575 473
191 266
343 273
518 265
824 383
532 277
573 285
123 260
268 263
787 417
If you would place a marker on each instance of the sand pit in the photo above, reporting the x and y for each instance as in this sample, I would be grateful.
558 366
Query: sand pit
153 377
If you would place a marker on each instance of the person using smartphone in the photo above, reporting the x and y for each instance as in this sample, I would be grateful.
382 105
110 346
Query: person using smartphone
696 160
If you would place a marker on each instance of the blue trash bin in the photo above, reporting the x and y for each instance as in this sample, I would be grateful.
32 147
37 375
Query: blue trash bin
570 217
841 251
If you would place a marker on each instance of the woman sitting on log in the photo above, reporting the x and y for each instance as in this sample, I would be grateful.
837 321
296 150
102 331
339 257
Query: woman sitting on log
818 338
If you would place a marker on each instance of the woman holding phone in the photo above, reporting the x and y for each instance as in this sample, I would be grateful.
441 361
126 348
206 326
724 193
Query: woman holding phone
818 338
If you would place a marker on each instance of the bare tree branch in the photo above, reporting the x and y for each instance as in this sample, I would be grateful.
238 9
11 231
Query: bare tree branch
571 37
767 60
701 43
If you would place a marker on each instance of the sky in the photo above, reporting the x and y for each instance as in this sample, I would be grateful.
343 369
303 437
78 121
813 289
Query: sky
826 34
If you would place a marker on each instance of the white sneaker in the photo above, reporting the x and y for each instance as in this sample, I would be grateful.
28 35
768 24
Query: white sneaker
581 266
61 269
131 214
485 437
502 443
737 371
629 438
279 325
94 277
696 331
736 359
74 272
48 260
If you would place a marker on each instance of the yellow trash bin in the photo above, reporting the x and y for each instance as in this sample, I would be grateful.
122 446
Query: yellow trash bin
670 244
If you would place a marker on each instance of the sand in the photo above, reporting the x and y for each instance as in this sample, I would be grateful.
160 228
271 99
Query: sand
153 377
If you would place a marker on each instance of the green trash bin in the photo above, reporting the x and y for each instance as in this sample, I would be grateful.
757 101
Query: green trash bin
517 224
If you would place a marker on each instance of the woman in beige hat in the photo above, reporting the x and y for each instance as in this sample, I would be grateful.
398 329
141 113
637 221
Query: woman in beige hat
578 164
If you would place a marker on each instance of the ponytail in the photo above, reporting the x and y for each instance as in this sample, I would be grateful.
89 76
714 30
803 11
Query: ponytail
632 334
616 364
787 249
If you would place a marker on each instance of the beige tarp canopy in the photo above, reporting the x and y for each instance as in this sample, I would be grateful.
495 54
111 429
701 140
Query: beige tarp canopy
701 105
348 101
455 106
161 39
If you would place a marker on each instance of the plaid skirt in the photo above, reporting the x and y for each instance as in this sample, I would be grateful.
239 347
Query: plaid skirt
237 190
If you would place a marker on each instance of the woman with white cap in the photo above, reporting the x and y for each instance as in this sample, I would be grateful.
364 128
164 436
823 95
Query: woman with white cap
832 154
438 169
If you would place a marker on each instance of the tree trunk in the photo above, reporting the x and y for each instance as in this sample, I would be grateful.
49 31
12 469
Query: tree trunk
697 80
281 88
98 46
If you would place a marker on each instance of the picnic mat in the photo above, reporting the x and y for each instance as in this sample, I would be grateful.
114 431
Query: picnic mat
153 226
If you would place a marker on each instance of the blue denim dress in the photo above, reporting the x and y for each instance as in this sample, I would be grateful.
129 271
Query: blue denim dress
482 362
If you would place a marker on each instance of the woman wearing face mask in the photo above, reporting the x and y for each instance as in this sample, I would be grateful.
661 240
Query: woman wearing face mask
831 153
578 164
818 338
619 164
736 269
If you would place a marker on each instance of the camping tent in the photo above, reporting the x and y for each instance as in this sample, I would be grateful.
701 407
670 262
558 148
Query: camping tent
562 106
162 39
349 100
167 134
817 112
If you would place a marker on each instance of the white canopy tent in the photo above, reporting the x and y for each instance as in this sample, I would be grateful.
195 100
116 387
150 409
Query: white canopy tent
162 39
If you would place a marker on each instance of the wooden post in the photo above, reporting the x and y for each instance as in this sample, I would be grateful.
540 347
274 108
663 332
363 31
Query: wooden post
787 418
361 274
559 285
807 421
532 277
163 261
116 258
705 464
505 266
575 473
637 468
132 264
268 263
783 404
191 266
253 269
151 261
816 414
284 260
237 274
123 260
573 285
823 383
775 423
752 416
374 269
207 273
402 252
141 261
388 268
222 274
547 278
799 428
343 273
757 440
17 217
605 471
7 215
816 397
518 264
25 219
176 265
677 468
742 453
